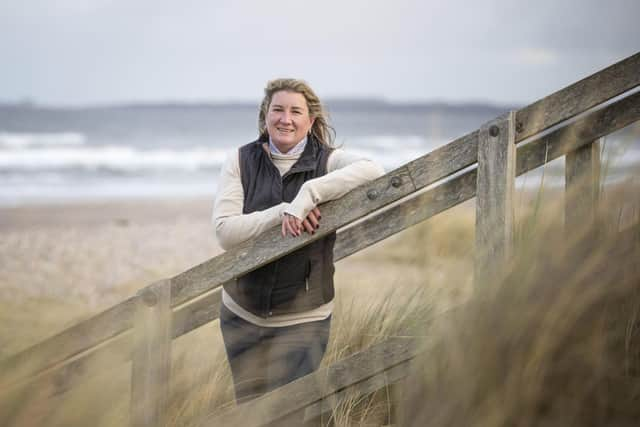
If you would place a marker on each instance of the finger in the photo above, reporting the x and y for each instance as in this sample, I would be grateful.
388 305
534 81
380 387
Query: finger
291 227
295 225
285 225
308 227
316 212
311 218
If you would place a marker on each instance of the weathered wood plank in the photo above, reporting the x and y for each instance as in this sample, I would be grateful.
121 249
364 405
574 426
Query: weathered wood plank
197 313
352 239
462 187
151 356
314 387
271 245
67 343
405 214
496 177
578 97
444 161
582 187
532 119
583 131
427 170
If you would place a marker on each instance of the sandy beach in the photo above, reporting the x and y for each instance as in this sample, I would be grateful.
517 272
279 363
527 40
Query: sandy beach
61 263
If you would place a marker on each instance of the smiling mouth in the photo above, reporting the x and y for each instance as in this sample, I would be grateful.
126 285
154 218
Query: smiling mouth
285 130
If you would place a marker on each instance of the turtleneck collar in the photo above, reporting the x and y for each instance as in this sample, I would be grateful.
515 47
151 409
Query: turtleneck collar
296 150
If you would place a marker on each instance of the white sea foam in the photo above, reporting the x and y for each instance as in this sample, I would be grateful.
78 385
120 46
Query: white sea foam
48 168
25 140
389 151
96 189
113 158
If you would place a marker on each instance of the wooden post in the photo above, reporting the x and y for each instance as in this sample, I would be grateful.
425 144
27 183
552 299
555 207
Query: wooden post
494 195
151 356
582 188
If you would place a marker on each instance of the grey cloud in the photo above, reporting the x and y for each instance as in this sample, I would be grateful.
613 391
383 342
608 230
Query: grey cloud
83 51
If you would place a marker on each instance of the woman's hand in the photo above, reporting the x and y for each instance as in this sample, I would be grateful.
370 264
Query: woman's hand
293 226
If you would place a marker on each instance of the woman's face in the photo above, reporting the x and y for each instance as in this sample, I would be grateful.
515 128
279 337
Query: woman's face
288 119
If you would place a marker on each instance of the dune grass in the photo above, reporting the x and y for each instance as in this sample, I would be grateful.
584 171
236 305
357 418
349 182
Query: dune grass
556 342
550 339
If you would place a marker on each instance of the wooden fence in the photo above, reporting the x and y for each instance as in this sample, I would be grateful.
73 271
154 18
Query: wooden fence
483 163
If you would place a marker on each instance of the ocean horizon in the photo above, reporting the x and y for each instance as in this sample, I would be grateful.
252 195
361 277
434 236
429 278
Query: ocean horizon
54 154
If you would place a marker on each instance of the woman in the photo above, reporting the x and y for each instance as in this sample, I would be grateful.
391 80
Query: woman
275 320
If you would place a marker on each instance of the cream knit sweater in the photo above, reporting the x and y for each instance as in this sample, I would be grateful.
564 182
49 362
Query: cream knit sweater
345 171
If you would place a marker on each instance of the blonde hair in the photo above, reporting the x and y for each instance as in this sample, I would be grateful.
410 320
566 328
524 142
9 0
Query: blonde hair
320 130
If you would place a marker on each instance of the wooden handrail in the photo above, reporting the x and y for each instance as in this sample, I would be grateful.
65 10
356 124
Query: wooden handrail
446 195
376 367
70 345
391 221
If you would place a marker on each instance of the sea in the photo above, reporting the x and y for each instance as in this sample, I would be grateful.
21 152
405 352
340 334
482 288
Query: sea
59 155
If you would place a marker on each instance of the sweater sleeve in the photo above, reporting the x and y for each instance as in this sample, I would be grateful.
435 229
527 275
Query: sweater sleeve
231 225
344 173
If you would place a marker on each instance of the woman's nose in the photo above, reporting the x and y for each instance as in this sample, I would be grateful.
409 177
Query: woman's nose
285 117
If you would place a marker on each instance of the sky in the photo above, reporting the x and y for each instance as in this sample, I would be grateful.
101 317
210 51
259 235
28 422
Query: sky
85 52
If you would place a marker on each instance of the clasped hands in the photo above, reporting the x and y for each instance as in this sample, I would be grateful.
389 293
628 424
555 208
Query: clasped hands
294 226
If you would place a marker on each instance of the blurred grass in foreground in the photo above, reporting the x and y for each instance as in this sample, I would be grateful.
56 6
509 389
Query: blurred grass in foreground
555 342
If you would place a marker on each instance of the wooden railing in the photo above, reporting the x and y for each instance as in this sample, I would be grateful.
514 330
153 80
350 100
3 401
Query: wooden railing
483 163
379 366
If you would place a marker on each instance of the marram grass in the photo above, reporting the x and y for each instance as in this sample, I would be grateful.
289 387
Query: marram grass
554 340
